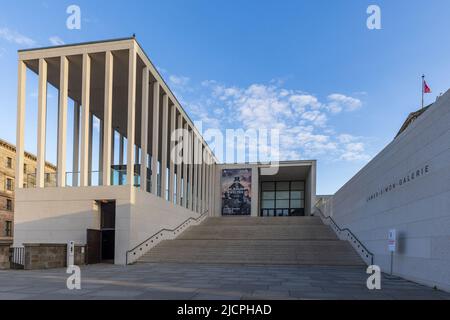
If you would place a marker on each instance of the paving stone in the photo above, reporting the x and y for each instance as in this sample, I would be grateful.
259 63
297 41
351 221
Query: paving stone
13 296
207 296
193 281
111 293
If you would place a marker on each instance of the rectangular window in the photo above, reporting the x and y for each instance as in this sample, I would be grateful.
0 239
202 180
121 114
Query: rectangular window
282 195
9 184
268 186
283 198
25 168
298 185
297 194
9 206
268 204
8 229
268 195
9 162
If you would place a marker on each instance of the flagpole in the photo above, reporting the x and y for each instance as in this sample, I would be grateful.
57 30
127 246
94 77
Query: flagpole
423 87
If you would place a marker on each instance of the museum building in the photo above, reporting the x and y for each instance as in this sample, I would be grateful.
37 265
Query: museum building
140 196
138 188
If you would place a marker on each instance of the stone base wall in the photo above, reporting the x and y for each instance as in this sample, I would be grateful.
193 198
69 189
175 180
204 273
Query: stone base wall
48 256
4 254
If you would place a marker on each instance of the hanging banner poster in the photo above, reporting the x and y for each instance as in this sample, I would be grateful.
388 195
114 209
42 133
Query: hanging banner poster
236 186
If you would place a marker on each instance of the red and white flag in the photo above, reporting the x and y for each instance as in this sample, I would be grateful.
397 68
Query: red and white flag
426 88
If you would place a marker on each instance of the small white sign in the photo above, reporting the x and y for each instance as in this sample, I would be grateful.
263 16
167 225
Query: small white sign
392 240
70 253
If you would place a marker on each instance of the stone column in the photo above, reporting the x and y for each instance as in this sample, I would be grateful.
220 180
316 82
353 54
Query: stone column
195 180
20 133
108 132
199 179
213 189
76 144
91 136
42 116
173 120
144 127
165 120
100 152
208 185
131 114
155 138
121 157
62 121
191 170
179 164
203 179
185 164
86 92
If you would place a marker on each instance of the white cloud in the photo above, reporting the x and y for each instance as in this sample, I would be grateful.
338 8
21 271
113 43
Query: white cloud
316 117
15 37
301 118
340 102
302 101
354 152
2 52
178 80
56 41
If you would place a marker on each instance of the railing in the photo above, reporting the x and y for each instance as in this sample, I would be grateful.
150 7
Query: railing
18 257
118 178
347 234
163 234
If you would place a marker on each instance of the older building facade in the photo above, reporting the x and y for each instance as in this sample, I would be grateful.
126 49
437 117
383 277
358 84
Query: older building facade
7 183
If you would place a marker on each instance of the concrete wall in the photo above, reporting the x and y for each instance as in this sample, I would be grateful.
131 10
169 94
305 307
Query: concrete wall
149 214
388 193
310 192
57 215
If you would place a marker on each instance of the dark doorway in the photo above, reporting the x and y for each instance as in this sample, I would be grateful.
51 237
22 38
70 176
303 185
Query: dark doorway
94 253
108 245
101 243
108 226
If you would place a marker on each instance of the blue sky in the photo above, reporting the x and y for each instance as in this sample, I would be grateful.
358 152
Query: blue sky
337 90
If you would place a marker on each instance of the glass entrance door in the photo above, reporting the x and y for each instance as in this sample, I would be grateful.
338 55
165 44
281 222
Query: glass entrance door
282 198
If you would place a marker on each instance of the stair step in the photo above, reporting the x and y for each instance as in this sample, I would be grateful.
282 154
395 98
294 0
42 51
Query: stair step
240 221
257 240
326 252
263 232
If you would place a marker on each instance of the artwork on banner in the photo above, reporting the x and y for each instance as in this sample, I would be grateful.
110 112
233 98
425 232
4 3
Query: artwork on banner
236 186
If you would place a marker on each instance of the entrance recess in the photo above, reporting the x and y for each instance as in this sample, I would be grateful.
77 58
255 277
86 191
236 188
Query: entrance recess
282 198
101 243
108 228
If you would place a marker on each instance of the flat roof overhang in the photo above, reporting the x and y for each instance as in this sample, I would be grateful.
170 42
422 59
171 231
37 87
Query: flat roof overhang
96 49
288 171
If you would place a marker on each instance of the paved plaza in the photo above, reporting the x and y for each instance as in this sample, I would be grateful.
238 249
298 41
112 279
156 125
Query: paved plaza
217 282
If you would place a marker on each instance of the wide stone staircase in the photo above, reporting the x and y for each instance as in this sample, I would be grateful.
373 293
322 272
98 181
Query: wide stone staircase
257 240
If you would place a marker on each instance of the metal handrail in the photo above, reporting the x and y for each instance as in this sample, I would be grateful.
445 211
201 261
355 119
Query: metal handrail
156 234
360 244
